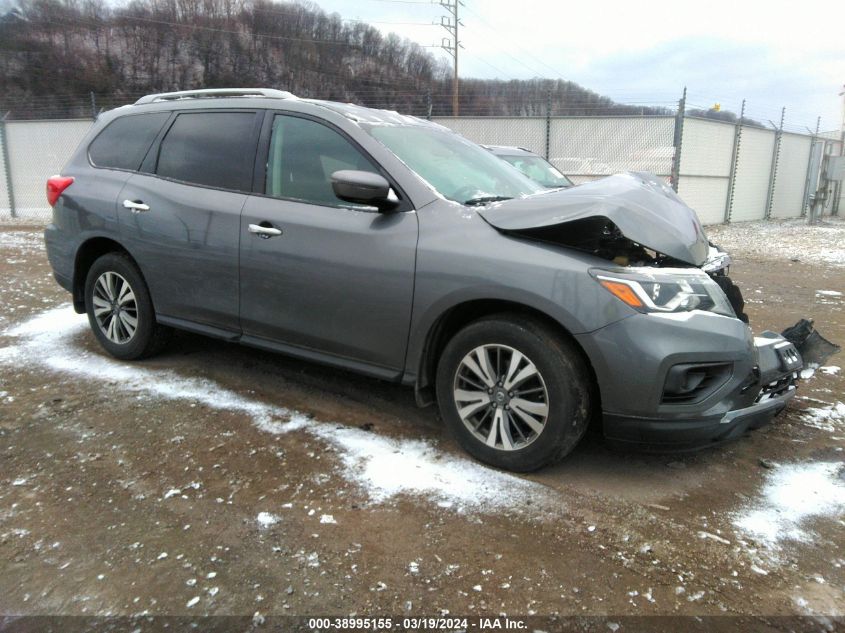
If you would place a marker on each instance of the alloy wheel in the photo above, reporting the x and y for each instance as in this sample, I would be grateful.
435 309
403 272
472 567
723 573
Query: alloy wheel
501 397
115 308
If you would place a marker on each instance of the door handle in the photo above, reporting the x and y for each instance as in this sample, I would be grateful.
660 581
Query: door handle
264 231
136 206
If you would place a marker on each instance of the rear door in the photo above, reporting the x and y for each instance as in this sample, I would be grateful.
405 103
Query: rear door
181 219
335 279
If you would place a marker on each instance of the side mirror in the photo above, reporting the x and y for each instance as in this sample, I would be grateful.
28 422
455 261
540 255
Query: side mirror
363 187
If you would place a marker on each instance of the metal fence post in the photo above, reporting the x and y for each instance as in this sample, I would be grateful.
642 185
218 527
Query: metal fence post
678 140
839 194
548 121
428 104
7 166
729 202
810 167
773 170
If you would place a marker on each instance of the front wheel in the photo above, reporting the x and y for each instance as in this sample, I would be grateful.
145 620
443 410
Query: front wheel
514 392
120 310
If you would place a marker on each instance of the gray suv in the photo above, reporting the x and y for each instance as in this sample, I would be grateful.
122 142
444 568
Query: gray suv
390 246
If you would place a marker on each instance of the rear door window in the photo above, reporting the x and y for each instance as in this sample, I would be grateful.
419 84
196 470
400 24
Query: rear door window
214 149
125 141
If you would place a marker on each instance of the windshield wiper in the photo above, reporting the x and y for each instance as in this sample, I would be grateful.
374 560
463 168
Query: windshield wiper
485 199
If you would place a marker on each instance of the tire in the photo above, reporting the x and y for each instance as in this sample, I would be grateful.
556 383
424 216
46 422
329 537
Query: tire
106 278
563 389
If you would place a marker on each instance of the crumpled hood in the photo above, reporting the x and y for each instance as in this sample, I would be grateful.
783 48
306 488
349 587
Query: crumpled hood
643 208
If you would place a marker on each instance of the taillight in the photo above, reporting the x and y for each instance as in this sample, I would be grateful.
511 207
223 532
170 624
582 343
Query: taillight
55 186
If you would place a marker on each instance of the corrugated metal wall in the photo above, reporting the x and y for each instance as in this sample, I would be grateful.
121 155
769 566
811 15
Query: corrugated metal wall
791 176
706 152
753 168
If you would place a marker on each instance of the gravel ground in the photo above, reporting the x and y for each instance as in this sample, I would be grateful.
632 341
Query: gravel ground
793 240
216 479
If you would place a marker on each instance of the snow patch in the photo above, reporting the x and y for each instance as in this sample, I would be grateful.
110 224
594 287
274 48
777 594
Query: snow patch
822 243
47 339
27 241
387 467
265 519
828 418
791 497
383 467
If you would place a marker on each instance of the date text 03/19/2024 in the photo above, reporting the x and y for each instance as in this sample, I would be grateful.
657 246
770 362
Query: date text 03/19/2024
417 624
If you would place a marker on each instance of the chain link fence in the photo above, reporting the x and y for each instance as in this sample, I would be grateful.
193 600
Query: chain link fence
726 171
35 150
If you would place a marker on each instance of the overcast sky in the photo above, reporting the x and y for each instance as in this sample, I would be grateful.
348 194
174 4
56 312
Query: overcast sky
771 53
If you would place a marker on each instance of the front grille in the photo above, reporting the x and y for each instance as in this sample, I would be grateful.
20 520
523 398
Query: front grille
777 387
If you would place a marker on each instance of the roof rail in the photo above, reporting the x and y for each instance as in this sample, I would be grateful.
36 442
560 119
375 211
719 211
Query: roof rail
211 93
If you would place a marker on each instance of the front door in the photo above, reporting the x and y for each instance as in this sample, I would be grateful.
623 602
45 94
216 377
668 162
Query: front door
327 278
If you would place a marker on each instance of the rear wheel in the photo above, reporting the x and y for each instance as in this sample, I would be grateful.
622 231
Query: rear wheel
120 310
513 392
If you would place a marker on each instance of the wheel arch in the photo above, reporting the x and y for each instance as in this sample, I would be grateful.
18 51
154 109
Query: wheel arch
88 252
459 316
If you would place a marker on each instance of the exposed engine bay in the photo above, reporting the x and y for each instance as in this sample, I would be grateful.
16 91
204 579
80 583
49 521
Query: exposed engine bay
602 238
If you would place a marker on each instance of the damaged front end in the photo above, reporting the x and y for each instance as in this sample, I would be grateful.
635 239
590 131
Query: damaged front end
633 220
712 385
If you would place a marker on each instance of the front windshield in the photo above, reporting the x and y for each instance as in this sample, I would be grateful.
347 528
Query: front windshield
539 170
457 169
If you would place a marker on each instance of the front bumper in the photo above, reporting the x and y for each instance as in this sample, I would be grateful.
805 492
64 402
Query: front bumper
692 434
632 359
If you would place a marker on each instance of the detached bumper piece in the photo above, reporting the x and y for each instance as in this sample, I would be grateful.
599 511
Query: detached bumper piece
813 347
765 392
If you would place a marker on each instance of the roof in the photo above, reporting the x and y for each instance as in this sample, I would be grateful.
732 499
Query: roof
363 114
359 114
211 93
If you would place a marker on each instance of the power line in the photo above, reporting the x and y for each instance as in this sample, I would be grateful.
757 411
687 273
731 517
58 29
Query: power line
493 30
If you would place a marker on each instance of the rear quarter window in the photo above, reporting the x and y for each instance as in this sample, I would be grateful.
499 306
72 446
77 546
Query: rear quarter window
125 141
215 149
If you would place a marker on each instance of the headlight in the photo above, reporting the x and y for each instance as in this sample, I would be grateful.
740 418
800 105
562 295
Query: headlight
665 290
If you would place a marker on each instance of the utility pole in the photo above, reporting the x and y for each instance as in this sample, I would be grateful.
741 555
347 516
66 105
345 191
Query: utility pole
451 45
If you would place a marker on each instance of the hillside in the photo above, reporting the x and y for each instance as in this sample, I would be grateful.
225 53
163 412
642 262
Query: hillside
54 53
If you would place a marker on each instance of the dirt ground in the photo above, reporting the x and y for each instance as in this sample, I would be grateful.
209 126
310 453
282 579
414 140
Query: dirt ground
217 479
